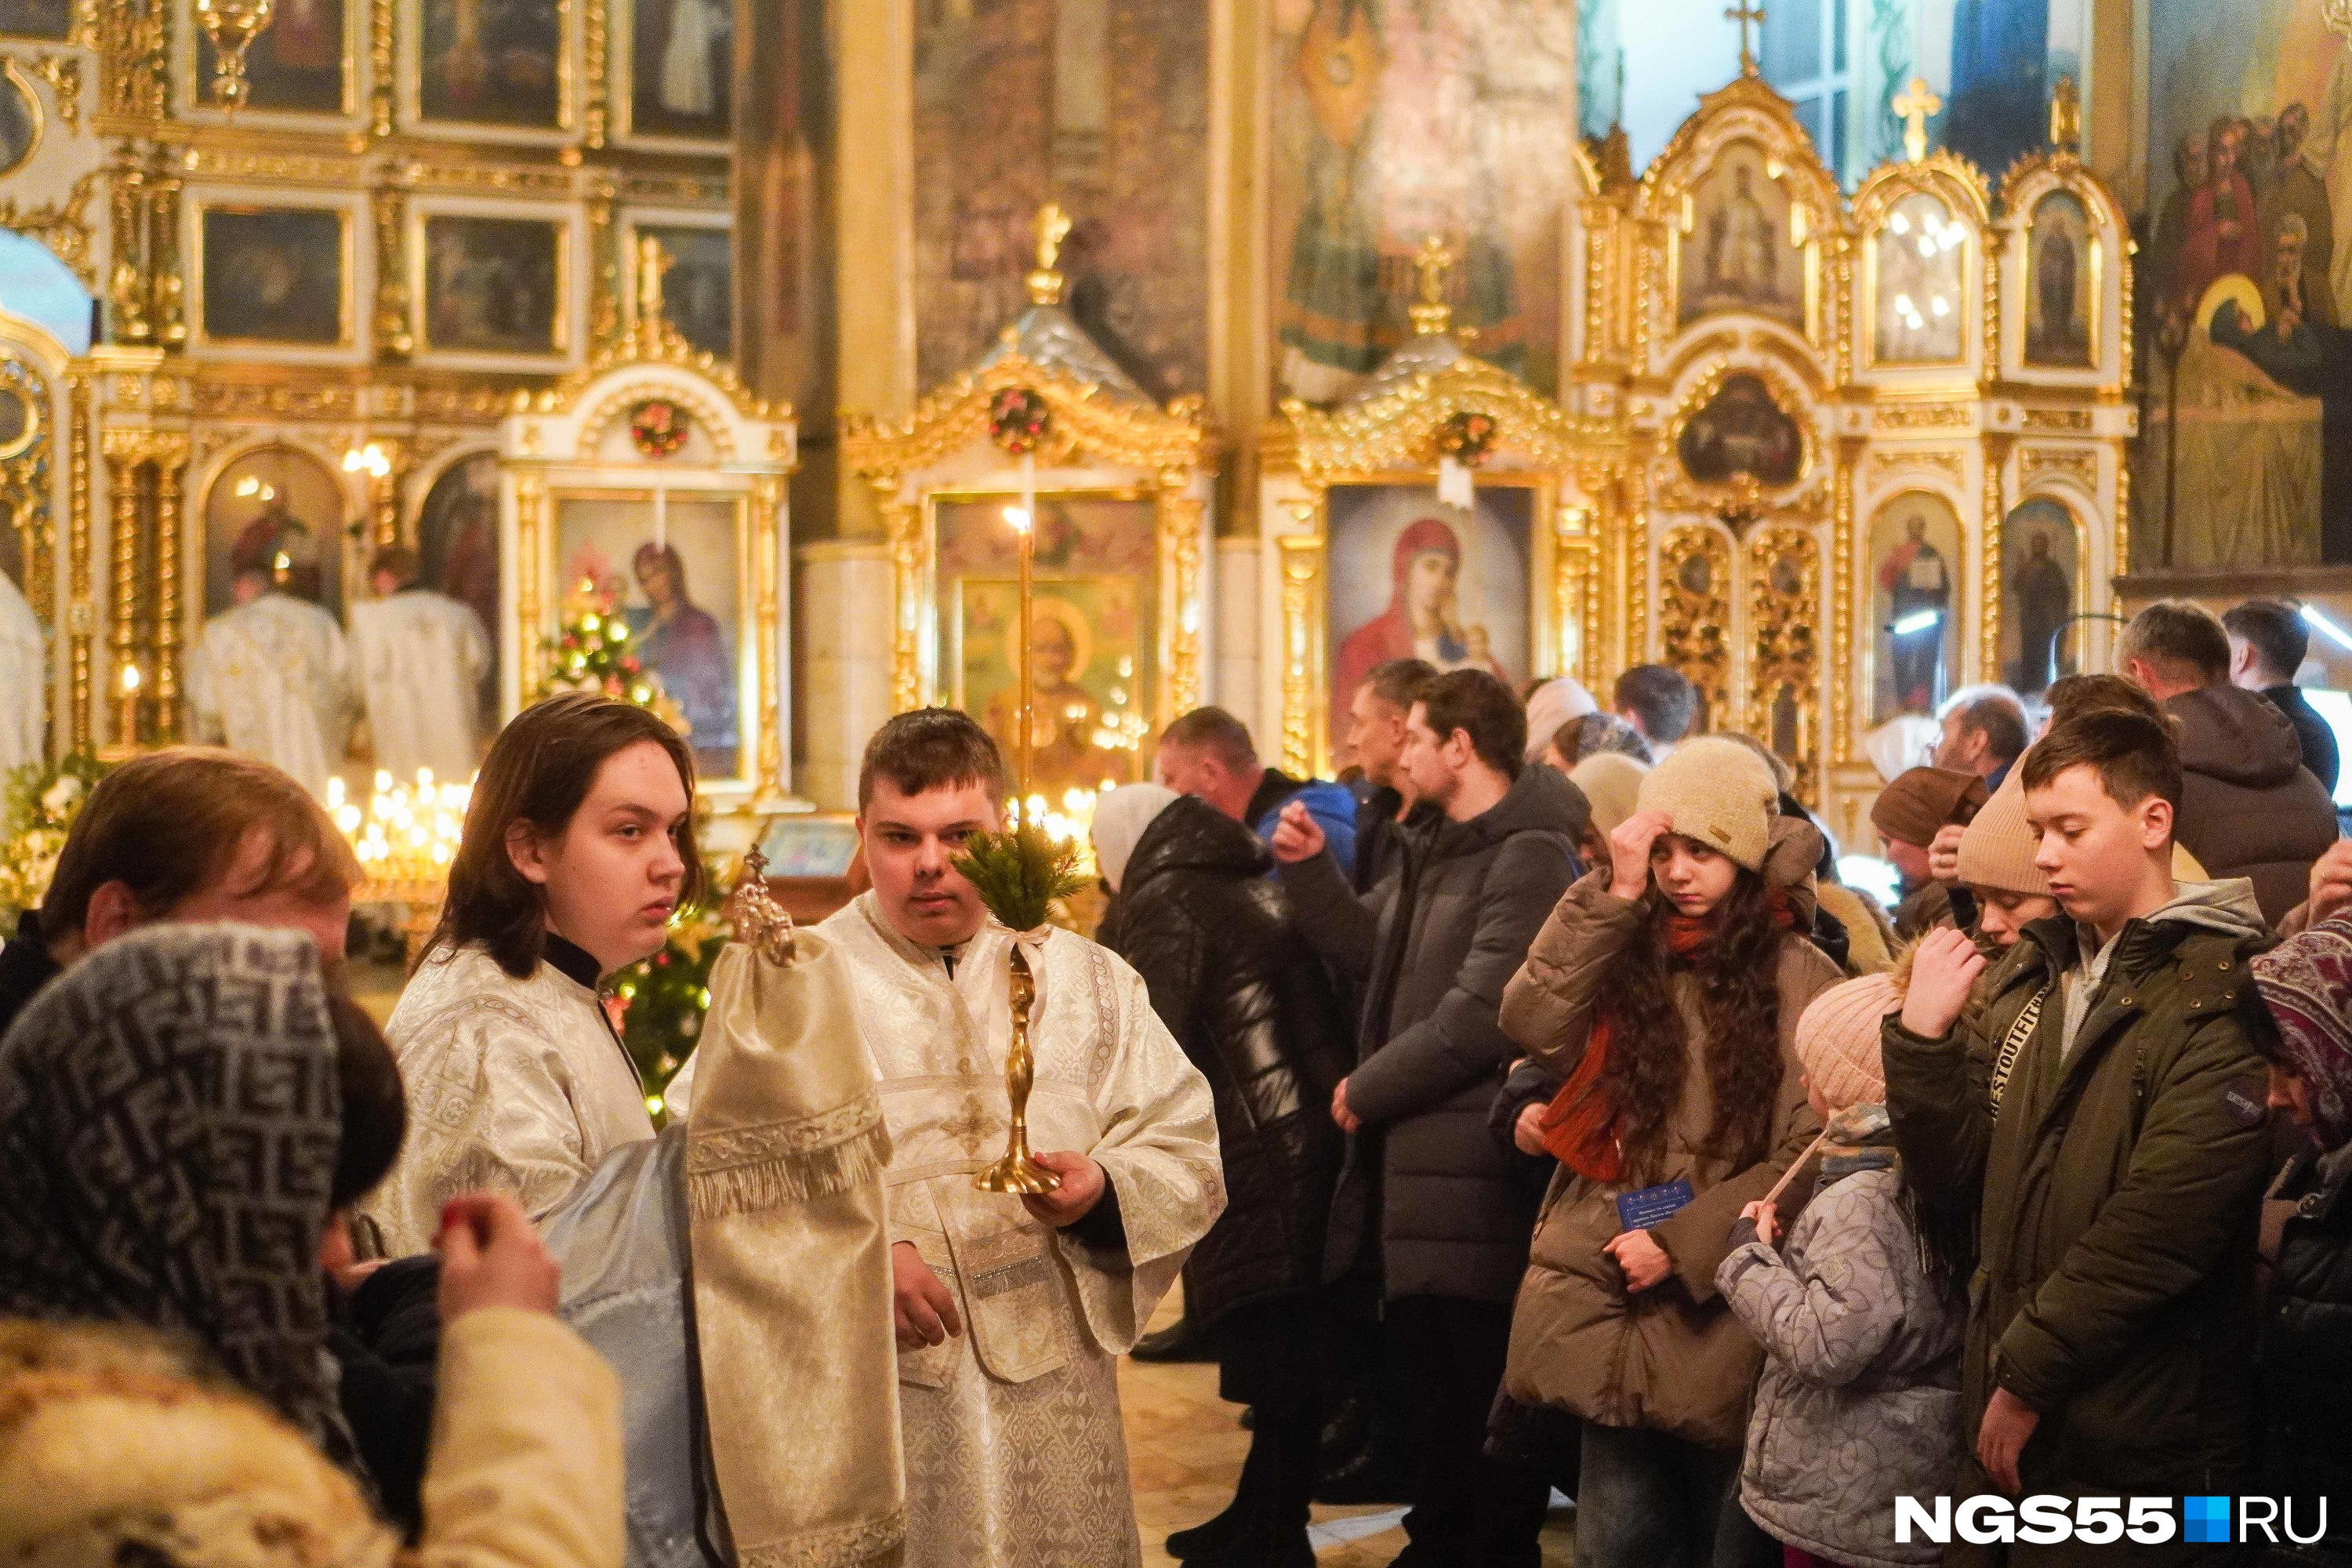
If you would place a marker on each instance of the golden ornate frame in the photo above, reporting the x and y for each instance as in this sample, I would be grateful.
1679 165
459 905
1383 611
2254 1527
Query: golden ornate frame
1784 643
350 211
1745 110
1088 426
1391 438
1962 189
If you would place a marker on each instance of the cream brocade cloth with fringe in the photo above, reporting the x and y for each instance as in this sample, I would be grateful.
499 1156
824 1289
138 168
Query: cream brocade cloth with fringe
1014 1453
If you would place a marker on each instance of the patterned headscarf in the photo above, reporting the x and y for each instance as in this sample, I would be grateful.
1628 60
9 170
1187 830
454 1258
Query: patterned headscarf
2307 983
170 1117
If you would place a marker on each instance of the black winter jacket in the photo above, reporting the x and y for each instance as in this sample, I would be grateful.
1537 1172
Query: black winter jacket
1243 994
2304 1436
1435 943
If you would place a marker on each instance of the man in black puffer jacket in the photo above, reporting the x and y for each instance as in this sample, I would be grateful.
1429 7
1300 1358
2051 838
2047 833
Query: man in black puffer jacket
1228 974
1427 1201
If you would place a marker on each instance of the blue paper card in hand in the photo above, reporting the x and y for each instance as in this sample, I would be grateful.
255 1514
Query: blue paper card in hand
1651 1206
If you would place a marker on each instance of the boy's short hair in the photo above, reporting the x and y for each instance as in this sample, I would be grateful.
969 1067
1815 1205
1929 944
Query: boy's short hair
2070 695
2134 755
1481 707
928 749
2274 631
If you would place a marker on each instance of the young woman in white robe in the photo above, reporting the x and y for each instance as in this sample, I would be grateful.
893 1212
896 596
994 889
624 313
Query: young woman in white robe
578 846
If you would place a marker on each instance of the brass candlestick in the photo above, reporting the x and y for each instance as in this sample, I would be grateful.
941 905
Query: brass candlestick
1017 1171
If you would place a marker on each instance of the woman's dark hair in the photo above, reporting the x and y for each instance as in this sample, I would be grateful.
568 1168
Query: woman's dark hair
1649 1051
540 769
1948 1240
376 1107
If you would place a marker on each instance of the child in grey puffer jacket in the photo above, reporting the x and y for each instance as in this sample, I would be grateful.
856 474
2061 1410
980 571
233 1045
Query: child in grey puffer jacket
1859 1319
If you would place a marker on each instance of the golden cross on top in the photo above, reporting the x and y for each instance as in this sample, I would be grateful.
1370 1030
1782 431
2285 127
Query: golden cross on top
1433 315
1045 283
2066 115
1747 13
1914 104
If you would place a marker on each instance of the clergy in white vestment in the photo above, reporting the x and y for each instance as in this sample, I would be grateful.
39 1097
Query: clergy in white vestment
24 681
578 847
421 657
1011 1312
272 679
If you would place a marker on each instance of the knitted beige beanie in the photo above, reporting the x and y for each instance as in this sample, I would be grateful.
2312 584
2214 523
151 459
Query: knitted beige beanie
1997 846
1612 781
1837 1039
1719 793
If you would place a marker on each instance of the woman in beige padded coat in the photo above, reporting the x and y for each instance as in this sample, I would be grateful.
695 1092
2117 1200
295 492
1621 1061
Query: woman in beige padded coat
1667 993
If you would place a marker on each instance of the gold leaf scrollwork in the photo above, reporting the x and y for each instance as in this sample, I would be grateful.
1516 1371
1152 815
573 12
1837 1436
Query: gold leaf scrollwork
1695 564
1784 573
62 226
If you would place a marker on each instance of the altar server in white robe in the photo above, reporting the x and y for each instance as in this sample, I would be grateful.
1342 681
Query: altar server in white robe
24 681
578 846
272 678
1010 1311
421 657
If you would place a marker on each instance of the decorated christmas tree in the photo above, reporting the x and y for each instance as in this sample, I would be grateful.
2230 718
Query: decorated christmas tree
591 652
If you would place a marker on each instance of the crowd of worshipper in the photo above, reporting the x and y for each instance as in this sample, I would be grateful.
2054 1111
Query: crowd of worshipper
1540 1127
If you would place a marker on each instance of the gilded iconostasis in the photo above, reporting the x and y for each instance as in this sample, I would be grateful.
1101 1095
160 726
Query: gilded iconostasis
1841 356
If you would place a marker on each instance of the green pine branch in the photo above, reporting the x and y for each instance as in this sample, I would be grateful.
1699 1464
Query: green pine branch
1020 873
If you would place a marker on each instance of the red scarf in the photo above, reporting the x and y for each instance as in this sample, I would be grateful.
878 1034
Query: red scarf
1580 1126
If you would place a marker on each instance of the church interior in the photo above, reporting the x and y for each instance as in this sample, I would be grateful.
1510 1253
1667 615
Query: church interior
746 358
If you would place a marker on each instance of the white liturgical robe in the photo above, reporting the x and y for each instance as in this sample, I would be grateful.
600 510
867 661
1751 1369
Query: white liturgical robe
1014 1453
517 1086
272 679
421 657
24 681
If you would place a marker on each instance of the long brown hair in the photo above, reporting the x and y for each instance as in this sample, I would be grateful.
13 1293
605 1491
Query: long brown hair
1737 974
539 771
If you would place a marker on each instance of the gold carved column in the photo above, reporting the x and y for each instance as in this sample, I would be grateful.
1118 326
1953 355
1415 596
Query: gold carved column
1179 565
171 470
126 453
531 521
1305 694
902 524
1849 454
1996 459
82 610
767 532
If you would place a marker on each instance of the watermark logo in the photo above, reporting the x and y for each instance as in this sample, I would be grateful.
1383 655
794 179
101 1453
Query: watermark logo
2044 1519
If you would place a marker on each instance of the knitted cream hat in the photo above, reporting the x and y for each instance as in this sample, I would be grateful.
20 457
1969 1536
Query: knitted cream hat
1997 847
1716 792
1612 781
1837 1039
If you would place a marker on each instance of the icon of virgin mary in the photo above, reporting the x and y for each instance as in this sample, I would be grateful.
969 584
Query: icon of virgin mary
1423 620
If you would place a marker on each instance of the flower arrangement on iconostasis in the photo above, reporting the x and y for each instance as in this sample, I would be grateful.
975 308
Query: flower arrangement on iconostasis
41 801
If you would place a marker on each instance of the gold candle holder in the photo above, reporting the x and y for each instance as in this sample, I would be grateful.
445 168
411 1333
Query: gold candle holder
1017 1171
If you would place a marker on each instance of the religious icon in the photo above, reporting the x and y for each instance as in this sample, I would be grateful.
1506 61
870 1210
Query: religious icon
1413 578
1393 123
50 19
274 275
2040 565
1915 626
1742 430
682 68
275 519
1921 257
1736 251
493 285
20 121
699 289
297 64
1081 667
2061 287
458 553
677 585
492 62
